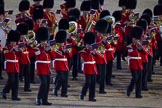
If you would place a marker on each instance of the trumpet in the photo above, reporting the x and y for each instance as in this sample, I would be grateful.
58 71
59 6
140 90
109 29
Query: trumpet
100 48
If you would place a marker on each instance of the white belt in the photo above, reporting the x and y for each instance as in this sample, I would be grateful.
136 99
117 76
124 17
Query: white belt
26 52
89 62
110 49
58 59
135 58
12 61
41 61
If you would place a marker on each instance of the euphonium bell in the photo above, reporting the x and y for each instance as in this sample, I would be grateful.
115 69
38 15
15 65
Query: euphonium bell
101 48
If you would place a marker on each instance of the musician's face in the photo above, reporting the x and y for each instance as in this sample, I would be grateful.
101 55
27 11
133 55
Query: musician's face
12 43
43 42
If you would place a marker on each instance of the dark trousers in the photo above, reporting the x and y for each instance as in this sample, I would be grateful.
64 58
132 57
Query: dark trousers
12 84
150 67
90 82
101 78
70 61
25 71
118 55
144 75
109 71
1 61
32 69
160 50
76 65
44 88
62 81
136 81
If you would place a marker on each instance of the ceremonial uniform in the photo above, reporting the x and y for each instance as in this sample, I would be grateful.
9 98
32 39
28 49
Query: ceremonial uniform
37 3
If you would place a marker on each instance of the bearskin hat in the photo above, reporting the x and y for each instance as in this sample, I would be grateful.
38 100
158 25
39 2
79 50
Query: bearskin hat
136 32
70 3
101 26
95 4
38 13
157 10
122 3
42 34
109 30
101 2
74 13
2 4
142 23
131 4
63 24
36 0
2 11
147 17
159 1
48 3
85 6
148 11
30 24
24 5
61 36
117 15
13 35
22 28
89 38
104 13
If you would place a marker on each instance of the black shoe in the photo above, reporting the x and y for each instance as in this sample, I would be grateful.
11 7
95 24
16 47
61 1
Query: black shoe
38 101
32 82
110 84
150 80
74 78
113 76
102 92
119 68
27 90
55 94
68 86
1 78
128 93
16 99
81 97
145 89
153 73
139 96
64 95
46 103
92 100
20 79
4 96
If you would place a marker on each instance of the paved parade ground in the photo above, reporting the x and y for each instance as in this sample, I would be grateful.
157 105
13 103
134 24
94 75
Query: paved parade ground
116 94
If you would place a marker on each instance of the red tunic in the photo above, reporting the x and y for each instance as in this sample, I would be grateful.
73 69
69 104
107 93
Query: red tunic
64 11
21 17
11 60
110 51
89 64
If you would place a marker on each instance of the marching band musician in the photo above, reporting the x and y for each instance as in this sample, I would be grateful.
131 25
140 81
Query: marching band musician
32 7
24 59
23 15
66 7
158 36
50 16
89 67
135 61
42 65
84 18
12 65
100 57
37 17
60 63
122 4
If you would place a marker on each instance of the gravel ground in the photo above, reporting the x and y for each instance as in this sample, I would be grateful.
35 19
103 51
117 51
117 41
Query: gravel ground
115 97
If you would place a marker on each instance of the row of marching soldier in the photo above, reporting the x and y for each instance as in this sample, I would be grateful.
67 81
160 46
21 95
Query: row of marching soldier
95 36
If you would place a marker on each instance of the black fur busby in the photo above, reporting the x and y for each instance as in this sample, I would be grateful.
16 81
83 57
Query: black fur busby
136 32
122 3
42 34
63 24
22 28
75 13
101 26
70 3
61 36
2 4
89 38
48 3
13 35
117 15
157 10
30 24
104 13
109 29
36 0
101 2
38 13
24 5
131 4
2 11
85 6
159 1
142 23
95 4
147 17
148 11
